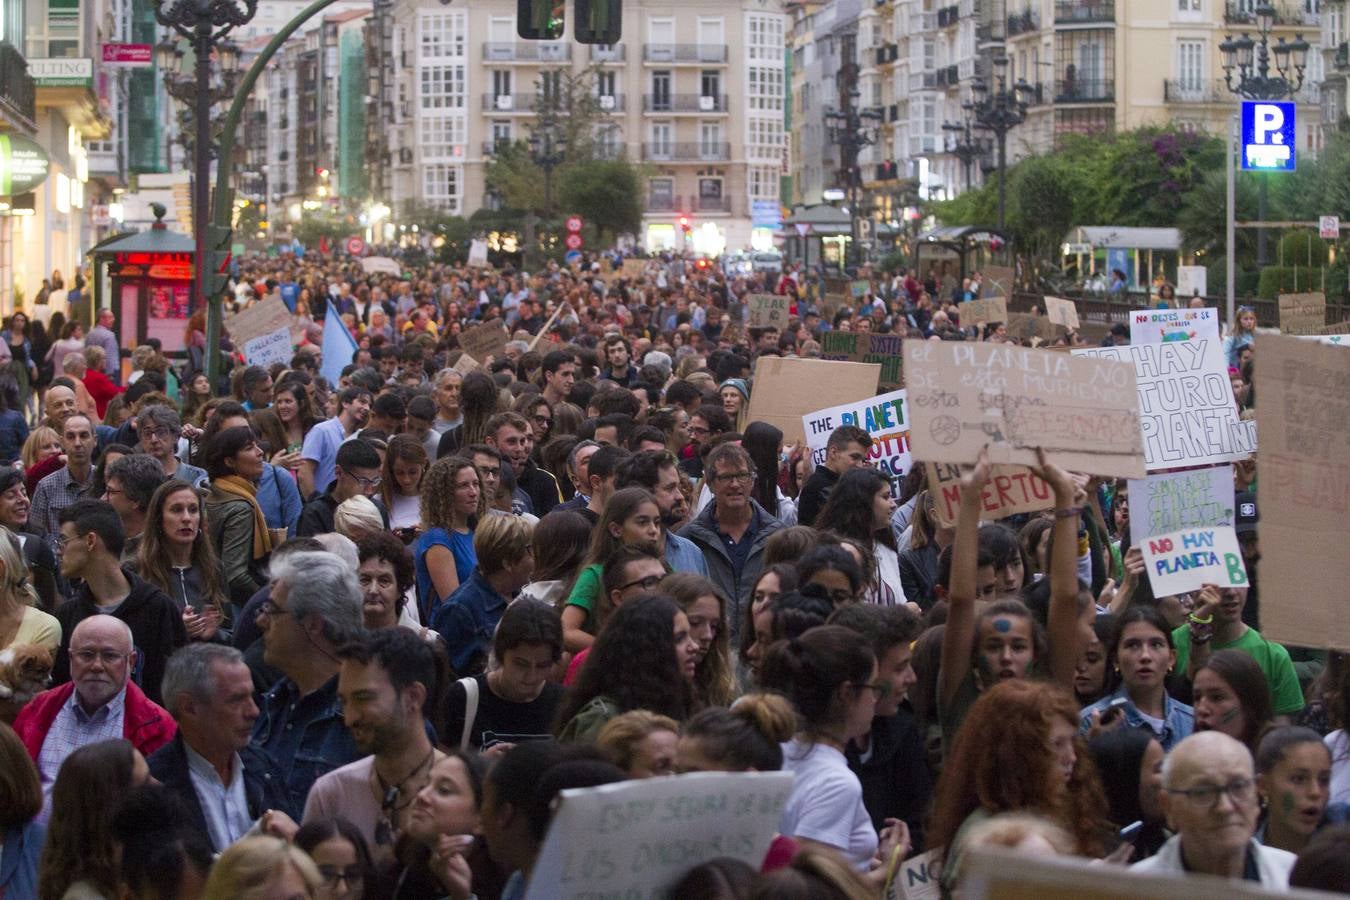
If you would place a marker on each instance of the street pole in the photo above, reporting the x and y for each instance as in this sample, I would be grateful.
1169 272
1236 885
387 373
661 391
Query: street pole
1261 251
1230 226
1002 175
201 180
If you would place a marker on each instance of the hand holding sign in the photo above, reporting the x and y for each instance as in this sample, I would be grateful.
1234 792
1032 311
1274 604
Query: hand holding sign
1191 558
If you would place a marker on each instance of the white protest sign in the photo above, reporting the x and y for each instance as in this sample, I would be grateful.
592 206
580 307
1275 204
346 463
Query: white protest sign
1062 312
768 310
1192 281
1170 501
380 264
885 417
1188 559
273 347
918 878
478 252
635 838
1163 326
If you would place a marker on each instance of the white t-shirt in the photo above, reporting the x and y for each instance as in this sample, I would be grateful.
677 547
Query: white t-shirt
886 589
826 803
1339 745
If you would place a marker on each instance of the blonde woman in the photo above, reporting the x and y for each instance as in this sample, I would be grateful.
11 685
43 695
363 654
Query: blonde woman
641 743
21 622
263 868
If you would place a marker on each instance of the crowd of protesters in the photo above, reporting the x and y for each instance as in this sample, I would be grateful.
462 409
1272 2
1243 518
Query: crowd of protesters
314 639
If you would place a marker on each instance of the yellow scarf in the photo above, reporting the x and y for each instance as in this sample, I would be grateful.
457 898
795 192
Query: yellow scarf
242 487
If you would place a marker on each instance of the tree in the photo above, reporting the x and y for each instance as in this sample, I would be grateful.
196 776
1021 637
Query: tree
607 194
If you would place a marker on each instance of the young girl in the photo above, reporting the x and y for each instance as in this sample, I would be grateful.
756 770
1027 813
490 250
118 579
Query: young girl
1293 778
714 683
1242 335
1139 657
632 518
859 509
404 465
1231 695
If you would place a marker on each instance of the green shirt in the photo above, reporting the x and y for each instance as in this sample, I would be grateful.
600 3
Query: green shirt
1271 657
587 591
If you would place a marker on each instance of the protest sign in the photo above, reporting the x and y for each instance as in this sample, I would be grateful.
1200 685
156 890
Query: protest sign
635 838
1190 558
964 396
262 318
1062 312
465 364
1339 329
1170 501
998 280
1304 418
787 388
918 878
482 341
885 417
983 312
1303 313
1186 406
858 289
864 346
1025 326
1163 326
1192 281
1011 490
274 347
632 268
380 265
768 310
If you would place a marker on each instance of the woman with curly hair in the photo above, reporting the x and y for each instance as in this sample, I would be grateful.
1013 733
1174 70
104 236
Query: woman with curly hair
1017 751
703 603
859 509
177 556
650 628
452 503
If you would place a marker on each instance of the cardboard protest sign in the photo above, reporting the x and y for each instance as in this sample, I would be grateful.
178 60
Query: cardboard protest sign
918 878
964 396
983 312
1304 418
635 838
275 347
864 346
632 268
1163 326
487 339
1062 312
263 318
1011 490
767 310
858 289
380 264
787 388
1339 329
1303 313
465 364
1186 405
885 417
1190 558
999 280
1170 501
1025 326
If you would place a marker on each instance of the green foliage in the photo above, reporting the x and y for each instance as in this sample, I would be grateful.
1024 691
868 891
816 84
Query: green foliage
1302 248
321 223
1276 280
1202 217
895 261
607 194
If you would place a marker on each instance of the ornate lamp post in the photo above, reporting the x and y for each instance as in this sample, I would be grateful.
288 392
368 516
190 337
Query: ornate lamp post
204 24
963 144
548 151
1251 61
852 129
1000 111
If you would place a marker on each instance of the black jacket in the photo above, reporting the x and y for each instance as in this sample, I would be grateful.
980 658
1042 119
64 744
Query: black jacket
156 629
814 494
316 516
169 766
895 779
541 487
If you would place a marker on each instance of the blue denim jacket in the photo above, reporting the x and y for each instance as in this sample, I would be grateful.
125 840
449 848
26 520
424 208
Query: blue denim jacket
279 498
304 737
466 622
683 555
1178 718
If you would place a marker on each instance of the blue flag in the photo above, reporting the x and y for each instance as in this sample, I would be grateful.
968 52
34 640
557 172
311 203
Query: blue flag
339 347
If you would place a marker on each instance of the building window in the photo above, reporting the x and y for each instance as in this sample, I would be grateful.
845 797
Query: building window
1191 66
662 140
441 35
442 87
441 186
1188 5
661 194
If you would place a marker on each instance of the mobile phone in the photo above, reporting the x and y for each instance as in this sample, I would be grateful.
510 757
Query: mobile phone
1130 832
1115 708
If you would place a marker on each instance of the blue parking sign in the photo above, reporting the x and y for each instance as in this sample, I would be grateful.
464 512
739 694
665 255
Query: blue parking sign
1269 138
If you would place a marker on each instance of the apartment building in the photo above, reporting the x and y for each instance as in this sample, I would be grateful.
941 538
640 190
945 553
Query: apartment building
1336 64
694 93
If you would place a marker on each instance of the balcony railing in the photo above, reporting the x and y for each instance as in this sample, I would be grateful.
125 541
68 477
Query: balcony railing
693 151
1175 91
662 204
1074 12
492 148
607 151
684 53
1085 90
684 103
1025 21
526 51
1036 96
18 95
509 103
608 53
1239 13
710 204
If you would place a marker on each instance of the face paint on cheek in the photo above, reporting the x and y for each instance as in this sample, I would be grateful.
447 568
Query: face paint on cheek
1230 715
1287 803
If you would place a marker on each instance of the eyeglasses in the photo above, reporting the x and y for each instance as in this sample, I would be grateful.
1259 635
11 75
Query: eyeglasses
728 477
110 491
331 875
373 482
699 429
881 689
647 583
160 433
271 610
87 657
1242 790
546 421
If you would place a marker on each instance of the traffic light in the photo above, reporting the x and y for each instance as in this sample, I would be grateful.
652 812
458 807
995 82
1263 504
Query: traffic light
598 21
685 226
540 20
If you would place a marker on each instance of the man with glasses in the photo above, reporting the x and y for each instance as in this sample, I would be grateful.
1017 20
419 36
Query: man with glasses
157 429
1209 799
131 482
731 530
356 473
100 702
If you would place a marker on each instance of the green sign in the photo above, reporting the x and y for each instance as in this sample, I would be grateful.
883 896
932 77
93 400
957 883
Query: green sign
23 165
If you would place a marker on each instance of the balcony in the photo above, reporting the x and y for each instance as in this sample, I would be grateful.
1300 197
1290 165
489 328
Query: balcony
608 53
18 95
693 151
710 204
1024 22
1210 92
690 54
527 52
684 103
1036 96
608 152
1085 90
516 104
492 148
887 53
1239 13
657 203
1082 12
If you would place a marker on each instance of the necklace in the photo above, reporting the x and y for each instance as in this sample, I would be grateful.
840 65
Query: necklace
389 797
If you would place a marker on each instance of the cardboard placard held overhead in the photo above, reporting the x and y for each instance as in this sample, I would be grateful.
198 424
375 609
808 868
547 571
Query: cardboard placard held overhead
465 364
1164 326
1062 312
998 280
270 348
1011 490
1303 313
632 268
380 264
864 346
884 417
787 388
1304 420
983 312
1187 560
263 318
1025 327
767 310
1170 501
482 341
965 396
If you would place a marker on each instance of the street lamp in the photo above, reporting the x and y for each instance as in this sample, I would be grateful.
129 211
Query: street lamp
964 145
852 129
1000 111
548 151
204 24
1251 60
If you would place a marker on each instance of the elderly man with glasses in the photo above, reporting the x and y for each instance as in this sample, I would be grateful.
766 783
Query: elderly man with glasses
1209 798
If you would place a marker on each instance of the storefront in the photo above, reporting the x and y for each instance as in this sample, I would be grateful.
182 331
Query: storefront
146 280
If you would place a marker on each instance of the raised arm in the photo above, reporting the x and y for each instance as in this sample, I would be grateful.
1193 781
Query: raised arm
958 639
1062 620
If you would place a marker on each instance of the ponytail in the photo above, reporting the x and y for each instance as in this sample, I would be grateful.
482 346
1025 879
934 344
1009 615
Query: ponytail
809 670
746 736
